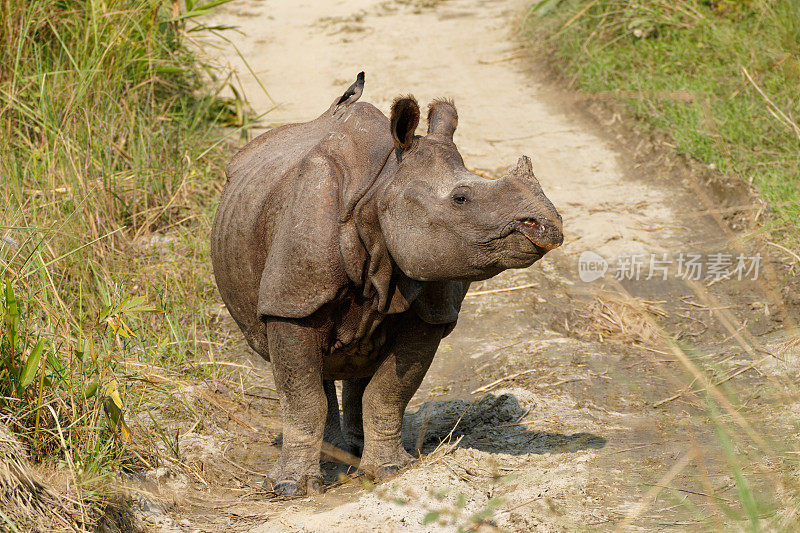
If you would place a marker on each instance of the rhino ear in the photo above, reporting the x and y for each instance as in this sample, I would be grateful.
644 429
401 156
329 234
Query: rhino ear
405 117
442 117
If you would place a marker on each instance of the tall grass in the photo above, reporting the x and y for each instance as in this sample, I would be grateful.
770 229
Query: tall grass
106 119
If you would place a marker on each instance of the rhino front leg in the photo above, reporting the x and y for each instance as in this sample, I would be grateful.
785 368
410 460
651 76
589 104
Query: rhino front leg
296 354
389 391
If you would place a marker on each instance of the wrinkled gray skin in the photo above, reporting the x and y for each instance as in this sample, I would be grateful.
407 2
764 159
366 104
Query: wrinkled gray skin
343 248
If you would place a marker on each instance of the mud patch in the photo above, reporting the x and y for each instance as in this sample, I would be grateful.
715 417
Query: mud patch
491 424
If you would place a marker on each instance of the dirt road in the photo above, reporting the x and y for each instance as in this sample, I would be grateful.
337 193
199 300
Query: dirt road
555 391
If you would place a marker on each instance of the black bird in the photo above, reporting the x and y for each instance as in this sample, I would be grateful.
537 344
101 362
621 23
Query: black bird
353 92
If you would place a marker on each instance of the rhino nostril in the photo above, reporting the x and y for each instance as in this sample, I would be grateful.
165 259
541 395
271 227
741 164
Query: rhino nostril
530 222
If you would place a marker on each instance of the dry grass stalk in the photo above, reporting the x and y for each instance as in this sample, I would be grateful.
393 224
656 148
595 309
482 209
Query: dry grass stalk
442 450
504 289
624 319
789 346
491 385
773 109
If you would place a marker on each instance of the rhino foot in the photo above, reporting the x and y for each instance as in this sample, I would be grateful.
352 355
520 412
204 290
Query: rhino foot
290 488
389 463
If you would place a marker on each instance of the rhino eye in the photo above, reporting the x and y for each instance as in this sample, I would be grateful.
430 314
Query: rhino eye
460 196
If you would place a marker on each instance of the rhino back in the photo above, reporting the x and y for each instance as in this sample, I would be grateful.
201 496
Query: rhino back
282 182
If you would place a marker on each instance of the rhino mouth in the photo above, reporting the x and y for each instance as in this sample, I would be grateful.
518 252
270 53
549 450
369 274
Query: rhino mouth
531 229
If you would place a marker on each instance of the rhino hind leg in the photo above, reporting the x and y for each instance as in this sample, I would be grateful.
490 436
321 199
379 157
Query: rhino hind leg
297 366
389 391
333 429
352 419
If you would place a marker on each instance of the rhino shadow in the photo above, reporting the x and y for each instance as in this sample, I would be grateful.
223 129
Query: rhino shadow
490 425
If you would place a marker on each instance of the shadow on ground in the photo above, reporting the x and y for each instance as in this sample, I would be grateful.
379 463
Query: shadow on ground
490 424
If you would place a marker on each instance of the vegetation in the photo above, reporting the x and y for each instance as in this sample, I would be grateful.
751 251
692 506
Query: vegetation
107 130
722 77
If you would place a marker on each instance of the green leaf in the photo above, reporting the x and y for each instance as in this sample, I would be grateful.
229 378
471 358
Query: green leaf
112 405
169 69
112 413
205 9
29 370
431 516
55 363
133 301
84 350
91 390
124 330
104 313
137 305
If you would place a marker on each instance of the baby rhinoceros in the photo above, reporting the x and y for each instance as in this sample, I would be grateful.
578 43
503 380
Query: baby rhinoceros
343 248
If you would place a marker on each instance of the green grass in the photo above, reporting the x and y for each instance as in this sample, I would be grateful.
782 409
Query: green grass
685 68
109 130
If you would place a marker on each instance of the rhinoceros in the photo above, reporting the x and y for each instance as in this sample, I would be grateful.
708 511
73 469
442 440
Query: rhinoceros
343 248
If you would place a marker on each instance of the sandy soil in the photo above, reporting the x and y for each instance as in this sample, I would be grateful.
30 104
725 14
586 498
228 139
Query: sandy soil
574 435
